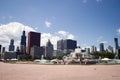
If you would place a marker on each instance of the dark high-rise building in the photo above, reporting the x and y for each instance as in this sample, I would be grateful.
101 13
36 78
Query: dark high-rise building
117 48
66 45
3 50
87 50
101 47
33 40
23 43
0 48
116 45
70 44
60 45
11 46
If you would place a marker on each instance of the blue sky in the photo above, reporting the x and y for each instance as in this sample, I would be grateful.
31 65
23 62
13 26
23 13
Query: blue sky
89 21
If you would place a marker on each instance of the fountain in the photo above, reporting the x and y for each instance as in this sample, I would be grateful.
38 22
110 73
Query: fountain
74 57
42 61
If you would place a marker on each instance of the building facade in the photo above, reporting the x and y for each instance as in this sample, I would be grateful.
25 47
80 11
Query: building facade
93 49
60 45
23 43
9 55
33 40
0 48
116 45
102 47
70 45
3 50
87 50
66 45
0 51
11 46
36 52
110 49
49 50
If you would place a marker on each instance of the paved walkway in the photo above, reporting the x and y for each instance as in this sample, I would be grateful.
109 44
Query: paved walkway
58 72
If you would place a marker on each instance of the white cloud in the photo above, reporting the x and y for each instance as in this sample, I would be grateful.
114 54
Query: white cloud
99 0
53 39
85 1
44 38
118 31
70 36
105 42
12 30
65 35
85 46
48 24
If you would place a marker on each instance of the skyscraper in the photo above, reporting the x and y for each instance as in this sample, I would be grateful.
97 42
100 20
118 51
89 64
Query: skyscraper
36 52
0 48
33 40
66 45
60 45
11 46
87 50
110 49
3 50
116 45
23 43
102 47
93 49
70 44
49 50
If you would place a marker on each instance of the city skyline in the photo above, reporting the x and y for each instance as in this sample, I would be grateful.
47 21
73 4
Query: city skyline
90 22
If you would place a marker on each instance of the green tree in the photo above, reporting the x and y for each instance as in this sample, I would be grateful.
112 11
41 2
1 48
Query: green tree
27 57
103 55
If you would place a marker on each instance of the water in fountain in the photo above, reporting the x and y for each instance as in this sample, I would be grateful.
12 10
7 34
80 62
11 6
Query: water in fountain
43 61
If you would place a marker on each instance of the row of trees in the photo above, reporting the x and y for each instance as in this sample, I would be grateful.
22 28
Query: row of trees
95 55
105 55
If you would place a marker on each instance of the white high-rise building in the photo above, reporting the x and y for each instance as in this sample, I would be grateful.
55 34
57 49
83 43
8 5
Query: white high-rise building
93 49
49 50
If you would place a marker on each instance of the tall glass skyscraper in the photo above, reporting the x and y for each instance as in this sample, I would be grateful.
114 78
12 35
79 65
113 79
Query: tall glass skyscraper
102 47
117 49
116 45
0 48
11 46
66 44
60 45
23 43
